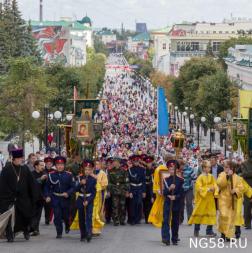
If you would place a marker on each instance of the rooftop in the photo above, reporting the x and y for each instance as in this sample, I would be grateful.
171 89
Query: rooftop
166 29
141 37
75 25
105 32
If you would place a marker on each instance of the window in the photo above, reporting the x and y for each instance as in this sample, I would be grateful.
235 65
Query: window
188 46
164 46
216 46
178 46
182 48
195 46
220 32
214 31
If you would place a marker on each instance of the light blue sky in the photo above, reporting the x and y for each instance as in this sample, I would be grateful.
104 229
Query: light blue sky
157 13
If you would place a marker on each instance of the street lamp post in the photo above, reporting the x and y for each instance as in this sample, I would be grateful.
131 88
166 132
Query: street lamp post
191 122
216 121
202 120
184 115
46 111
58 116
50 116
176 116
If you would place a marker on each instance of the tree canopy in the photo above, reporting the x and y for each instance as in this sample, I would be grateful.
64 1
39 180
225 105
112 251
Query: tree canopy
242 40
16 37
204 86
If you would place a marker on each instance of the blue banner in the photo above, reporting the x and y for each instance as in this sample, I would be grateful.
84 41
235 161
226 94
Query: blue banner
163 115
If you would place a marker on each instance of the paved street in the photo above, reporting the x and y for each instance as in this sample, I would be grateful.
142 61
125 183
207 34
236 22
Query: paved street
128 239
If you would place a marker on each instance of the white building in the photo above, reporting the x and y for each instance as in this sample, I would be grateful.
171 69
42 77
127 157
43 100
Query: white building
189 40
139 44
64 41
239 62
106 36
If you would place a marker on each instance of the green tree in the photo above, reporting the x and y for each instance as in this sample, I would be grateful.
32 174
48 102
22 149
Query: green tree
92 76
99 46
242 40
23 91
209 50
213 95
63 79
202 85
16 38
145 67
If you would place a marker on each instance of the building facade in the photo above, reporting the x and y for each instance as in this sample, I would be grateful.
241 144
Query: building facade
239 62
188 40
63 41
139 45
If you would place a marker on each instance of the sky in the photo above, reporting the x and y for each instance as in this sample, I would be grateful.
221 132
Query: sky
156 13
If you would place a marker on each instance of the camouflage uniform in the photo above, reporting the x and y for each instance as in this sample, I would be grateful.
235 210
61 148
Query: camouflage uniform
118 187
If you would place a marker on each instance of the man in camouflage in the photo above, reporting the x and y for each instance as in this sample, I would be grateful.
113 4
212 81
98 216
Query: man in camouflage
118 188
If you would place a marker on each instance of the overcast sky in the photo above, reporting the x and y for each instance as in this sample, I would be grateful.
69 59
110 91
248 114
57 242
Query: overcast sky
156 13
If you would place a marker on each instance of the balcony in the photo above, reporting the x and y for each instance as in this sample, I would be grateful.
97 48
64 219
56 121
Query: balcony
188 53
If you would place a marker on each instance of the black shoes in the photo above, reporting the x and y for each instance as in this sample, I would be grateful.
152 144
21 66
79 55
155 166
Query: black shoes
27 236
35 233
10 239
122 223
211 234
196 233
59 237
89 238
67 230
167 243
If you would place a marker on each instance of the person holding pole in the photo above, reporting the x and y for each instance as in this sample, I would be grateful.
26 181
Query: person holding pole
172 192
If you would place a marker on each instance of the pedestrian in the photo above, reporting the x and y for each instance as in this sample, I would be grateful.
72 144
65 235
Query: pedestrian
206 190
246 169
137 189
149 199
172 192
239 220
156 213
58 190
32 158
99 201
40 181
230 190
118 188
86 189
189 179
17 189
49 162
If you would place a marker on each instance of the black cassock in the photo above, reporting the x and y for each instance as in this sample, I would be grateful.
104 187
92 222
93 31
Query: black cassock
17 187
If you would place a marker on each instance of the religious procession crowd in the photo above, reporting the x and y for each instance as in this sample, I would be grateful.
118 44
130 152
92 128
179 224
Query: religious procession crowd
86 196
127 182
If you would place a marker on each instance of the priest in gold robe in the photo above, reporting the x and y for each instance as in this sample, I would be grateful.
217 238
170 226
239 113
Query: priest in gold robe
156 213
99 201
231 189
206 191
239 219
